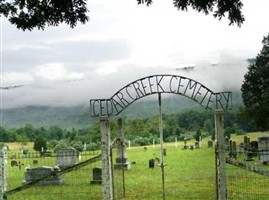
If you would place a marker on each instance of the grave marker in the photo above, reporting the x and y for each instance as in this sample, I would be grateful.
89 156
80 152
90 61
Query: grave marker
33 174
66 157
97 175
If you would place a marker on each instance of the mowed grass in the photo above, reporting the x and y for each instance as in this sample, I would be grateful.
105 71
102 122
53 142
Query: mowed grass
189 174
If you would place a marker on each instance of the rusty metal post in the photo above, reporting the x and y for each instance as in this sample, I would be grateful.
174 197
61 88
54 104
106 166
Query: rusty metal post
161 142
107 177
221 186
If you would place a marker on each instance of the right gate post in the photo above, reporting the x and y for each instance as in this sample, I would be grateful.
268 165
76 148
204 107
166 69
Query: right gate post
221 182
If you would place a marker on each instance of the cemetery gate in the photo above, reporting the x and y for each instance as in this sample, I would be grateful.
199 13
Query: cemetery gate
159 84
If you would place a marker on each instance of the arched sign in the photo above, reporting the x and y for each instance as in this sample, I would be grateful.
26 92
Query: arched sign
154 84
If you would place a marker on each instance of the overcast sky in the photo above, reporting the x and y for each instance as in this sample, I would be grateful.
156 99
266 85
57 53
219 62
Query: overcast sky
122 42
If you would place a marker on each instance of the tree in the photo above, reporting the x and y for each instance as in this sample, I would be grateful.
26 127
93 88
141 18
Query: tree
198 135
30 14
40 144
233 8
254 89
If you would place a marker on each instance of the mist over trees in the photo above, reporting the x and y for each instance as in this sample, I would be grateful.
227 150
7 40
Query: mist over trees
187 124
27 15
255 92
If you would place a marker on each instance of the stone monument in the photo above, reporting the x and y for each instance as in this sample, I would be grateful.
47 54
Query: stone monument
33 174
96 175
121 159
66 157
263 145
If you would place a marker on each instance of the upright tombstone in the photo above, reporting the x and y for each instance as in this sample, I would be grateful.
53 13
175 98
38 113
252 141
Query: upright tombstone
263 149
66 157
96 175
197 145
33 174
121 159
210 144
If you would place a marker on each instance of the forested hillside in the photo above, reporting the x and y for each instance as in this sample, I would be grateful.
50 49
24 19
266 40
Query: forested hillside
79 117
63 127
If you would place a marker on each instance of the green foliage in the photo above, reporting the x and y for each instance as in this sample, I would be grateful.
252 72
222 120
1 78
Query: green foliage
218 7
198 135
27 15
40 144
61 144
254 89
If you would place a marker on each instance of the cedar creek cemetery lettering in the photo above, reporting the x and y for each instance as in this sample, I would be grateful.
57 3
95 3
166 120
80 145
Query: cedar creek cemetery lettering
154 84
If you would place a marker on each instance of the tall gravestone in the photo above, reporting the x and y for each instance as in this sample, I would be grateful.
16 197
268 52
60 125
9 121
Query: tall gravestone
121 159
263 149
66 157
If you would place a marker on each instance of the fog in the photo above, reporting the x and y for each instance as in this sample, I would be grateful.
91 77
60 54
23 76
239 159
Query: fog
225 75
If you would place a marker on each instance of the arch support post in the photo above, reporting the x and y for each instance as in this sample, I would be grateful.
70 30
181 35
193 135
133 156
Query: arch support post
107 177
3 172
221 182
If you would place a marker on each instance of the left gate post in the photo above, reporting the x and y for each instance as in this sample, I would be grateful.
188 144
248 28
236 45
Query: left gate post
106 159
3 172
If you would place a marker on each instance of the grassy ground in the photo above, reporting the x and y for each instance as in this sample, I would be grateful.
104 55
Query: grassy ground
189 174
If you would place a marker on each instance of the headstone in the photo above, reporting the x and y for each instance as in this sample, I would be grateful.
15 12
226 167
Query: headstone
33 174
96 175
263 149
35 162
197 145
246 143
66 157
14 163
151 163
227 143
210 144
185 144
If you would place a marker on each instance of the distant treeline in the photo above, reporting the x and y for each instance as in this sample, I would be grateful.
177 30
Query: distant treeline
140 131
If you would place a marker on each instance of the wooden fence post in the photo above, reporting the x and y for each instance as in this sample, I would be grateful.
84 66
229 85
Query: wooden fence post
106 159
3 172
221 181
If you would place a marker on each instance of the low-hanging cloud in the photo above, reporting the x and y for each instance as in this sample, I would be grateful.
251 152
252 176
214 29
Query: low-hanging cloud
226 75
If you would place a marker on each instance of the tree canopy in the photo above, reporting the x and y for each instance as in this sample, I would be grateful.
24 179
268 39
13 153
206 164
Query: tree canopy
30 14
218 7
254 89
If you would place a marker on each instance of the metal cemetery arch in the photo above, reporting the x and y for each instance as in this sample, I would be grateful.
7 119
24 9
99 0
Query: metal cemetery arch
155 84
158 84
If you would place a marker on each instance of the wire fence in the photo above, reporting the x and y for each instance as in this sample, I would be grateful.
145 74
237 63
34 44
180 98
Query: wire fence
189 174
247 170
76 184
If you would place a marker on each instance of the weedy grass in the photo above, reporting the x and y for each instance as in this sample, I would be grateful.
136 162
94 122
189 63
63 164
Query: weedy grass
188 174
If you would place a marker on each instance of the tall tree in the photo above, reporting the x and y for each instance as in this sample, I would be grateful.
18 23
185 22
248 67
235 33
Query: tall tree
40 144
255 92
29 14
